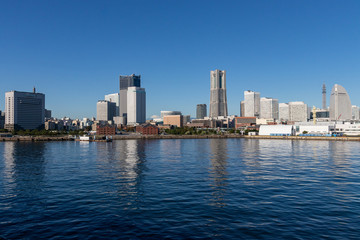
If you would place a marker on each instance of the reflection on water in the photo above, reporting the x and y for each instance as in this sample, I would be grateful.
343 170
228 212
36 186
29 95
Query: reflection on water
24 167
218 172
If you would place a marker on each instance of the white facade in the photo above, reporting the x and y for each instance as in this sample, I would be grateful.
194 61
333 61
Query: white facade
115 98
267 130
251 104
269 108
316 129
340 105
298 112
355 112
283 111
105 110
348 129
24 110
136 105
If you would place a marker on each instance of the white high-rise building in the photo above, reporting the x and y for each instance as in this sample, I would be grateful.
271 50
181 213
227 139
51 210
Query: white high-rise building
115 98
136 105
340 105
298 112
24 110
218 100
269 108
283 111
251 104
105 110
355 112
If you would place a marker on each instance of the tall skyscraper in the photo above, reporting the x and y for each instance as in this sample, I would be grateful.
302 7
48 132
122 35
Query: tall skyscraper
242 108
115 98
218 100
269 108
24 110
324 96
298 112
105 110
201 111
251 104
136 105
340 105
126 82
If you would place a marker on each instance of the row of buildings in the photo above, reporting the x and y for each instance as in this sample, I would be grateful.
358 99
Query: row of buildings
26 110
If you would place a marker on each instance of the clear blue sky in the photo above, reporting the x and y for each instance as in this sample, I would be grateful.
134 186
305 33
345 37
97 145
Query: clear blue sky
74 51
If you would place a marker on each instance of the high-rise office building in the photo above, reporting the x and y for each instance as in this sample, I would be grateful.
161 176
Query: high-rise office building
105 110
298 112
126 82
269 108
115 98
340 105
24 110
136 105
283 111
218 100
251 104
201 111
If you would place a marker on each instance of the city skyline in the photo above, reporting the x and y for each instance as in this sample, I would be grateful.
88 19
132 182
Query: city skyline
82 57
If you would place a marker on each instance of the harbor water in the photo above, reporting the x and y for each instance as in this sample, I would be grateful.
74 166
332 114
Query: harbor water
180 189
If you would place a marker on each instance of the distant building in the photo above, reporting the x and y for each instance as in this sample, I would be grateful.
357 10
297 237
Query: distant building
218 99
136 102
173 120
115 98
284 112
251 104
244 122
147 129
201 111
298 112
47 114
2 120
126 82
105 129
167 113
340 105
269 108
242 109
186 119
355 112
321 114
105 110
24 110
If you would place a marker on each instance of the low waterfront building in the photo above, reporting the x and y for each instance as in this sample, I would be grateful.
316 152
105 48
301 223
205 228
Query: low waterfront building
347 129
173 120
244 122
147 129
315 129
277 130
105 129
262 121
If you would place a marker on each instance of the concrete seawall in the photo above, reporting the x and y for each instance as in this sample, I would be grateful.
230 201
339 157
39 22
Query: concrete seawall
128 137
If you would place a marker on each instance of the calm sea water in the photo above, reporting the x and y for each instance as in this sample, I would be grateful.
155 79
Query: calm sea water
180 189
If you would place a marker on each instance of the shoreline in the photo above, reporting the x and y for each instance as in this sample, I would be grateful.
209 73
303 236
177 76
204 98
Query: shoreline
134 137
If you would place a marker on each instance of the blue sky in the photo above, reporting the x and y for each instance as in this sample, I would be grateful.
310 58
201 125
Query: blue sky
74 51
